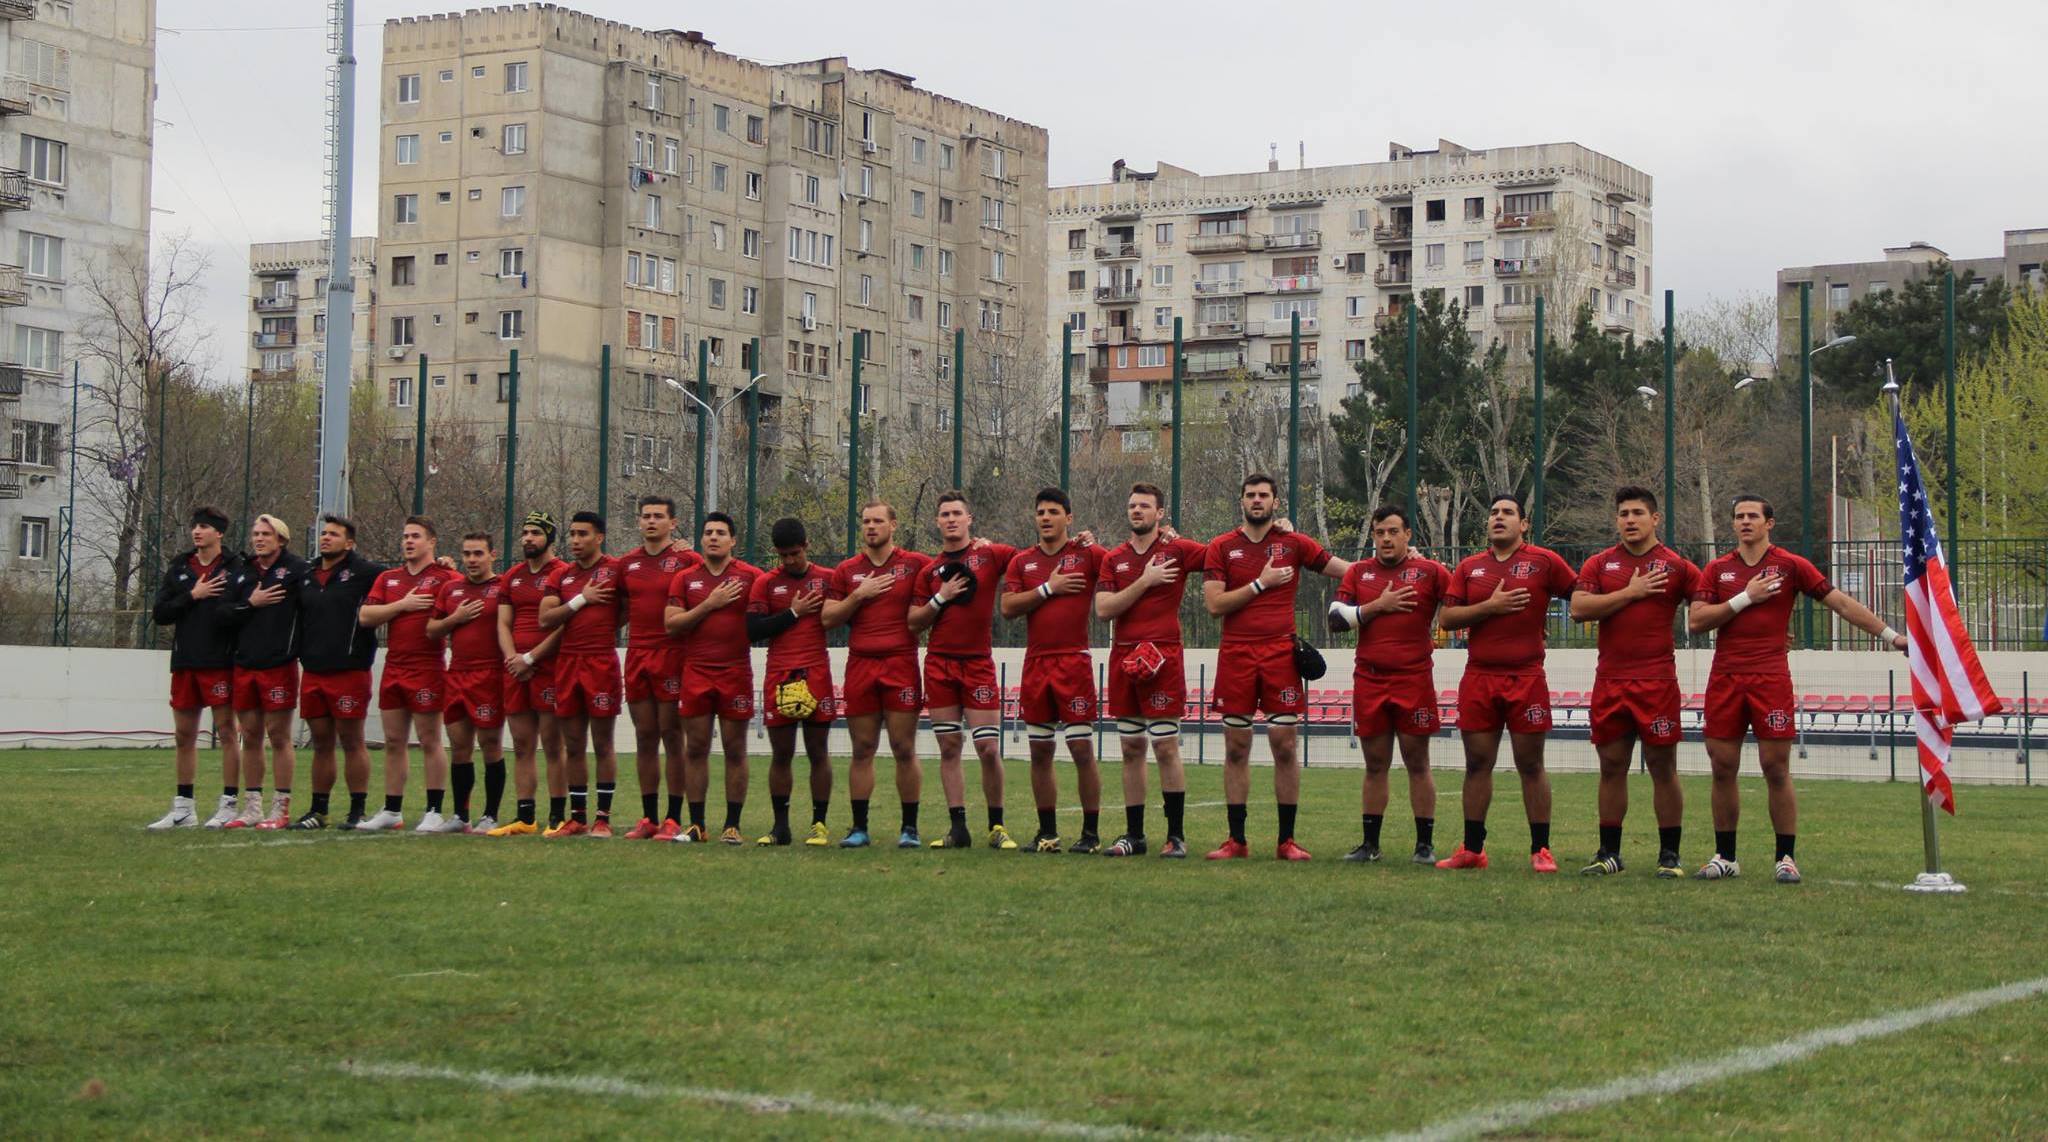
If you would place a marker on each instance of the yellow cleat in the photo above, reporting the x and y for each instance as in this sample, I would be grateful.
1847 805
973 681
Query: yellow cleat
999 838
514 828
731 836
820 836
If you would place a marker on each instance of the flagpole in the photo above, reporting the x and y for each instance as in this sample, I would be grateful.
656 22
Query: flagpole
1933 879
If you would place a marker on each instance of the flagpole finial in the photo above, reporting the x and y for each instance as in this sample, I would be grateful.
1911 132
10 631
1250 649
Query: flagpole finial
1891 379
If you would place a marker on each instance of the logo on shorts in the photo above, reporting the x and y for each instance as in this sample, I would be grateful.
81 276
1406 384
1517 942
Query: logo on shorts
277 693
671 685
1077 704
739 701
907 694
984 693
1661 726
1158 701
1289 696
486 712
1778 720
424 695
218 689
547 695
1533 715
602 703
345 704
1419 717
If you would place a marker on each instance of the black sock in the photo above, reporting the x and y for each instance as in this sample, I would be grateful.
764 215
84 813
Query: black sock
995 815
1539 836
860 814
434 799
1286 820
781 805
1724 843
579 802
909 816
229 790
357 802
697 813
1048 823
319 800
818 809
1610 838
281 790
956 816
1134 820
494 787
605 790
1235 815
1475 836
1425 831
558 811
1372 822
524 808
1091 822
1176 805
463 775
732 813
1667 837
647 804
1786 841
675 809
394 804
185 791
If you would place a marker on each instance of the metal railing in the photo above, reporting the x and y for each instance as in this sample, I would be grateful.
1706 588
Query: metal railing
1516 267
1621 233
1117 252
12 377
1295 283
1300 240
13 189
1218 288
1392 275
1525 220
12 291
274 340
276 302
1387 232
1218 243
14 96
1621 277
1124 292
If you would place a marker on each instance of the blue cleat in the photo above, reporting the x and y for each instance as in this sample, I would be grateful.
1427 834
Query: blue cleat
857 839
908 839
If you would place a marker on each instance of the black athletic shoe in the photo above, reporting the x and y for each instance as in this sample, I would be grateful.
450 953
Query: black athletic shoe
1174 849
1088 845
1044 843
1126 845
1364 854
1667 865
353 820
311 821
957 837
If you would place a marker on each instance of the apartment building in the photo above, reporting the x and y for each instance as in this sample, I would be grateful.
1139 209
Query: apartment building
554 182
76 129
1347 248
1834 288
288 308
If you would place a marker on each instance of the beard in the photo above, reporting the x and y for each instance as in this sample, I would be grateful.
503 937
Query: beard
1257 515
1144 528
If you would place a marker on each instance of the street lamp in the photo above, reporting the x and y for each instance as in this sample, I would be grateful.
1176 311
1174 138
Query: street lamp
709 495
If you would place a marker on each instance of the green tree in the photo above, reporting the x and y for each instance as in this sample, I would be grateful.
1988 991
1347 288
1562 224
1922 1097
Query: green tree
1903 326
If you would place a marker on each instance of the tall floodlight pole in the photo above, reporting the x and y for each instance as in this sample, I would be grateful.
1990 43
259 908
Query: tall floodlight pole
332 492
1537 451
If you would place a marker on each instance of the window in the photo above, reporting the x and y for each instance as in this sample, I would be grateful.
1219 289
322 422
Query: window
42 256
916 309
998 265
718 173
1475 252
718 235
440 380
1525 203
867 289
945 210
809 305
447 75
991 213
34 542
1355 306
945 156
446 136
721 118
1162 316
408 150
867 181
632 268
946 316
441 259
400 392
1475 298
867 235
515 78
511 262
1162 234
1596 252
991 314
1522 293
1162 275
945 263
1077 239
671 151
750 299
408 89
917 204
1151 356
504 394
917 151
34 443
1354 349
1077 279
401 331
653 96
750 243
1433 210
401 270
1838 295
916 256
515 139
43 159
1475 209
1433 255
512 202
650 211
1874 287
755 129
40 349
715 288
668 274
476 72
753 185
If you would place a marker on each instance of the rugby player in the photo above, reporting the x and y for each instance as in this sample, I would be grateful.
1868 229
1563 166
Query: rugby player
783 612
654 668
582 598
266 667
335 656
529 654
196 597
466 614
870 593
413 689
707 609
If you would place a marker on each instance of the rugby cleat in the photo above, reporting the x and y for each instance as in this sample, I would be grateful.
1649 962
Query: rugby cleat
1364 854
601 828
779 835
252 811
693 834
1463 858
1288 850
1044 843
482 826
1088 845
908 839
670 829
433 822
222 813
1667 865
1424 855
1230 850
569 828
1604 864
956 838
1787 873
1174 849
999 838
819 836
855 839
1126 845
280 813
352 821
181 816
643 830
730 835
1542 861
382 821
310 822
514 828
1720 868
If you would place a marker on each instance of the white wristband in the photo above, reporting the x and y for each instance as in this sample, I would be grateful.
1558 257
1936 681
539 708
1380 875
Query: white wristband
1889 636
1346 612
1258 587
1740 602
576 602
527 659
1045 590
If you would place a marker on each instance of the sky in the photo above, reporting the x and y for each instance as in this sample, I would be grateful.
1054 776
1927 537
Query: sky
1777 134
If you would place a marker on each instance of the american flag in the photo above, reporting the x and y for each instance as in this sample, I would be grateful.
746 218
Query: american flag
1949 686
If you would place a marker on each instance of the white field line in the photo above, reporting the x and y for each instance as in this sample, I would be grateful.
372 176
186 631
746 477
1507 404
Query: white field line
756 1103
1743 1061
438 971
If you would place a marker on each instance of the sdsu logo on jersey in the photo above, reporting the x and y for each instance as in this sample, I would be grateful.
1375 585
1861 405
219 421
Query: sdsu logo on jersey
669 564
1276 552
1411 574
1778 720
1522 569
976 562
984 695
1069 562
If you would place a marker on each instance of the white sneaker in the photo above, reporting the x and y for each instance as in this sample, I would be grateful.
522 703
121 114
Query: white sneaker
181 816
383 821
252 811
280 813
434 822
222 813
483 825
1720 868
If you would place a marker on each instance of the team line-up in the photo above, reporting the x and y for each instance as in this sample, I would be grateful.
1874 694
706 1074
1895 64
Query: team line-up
533 647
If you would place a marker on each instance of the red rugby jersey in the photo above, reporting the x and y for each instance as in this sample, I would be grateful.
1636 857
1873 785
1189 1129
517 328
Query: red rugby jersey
1234 559
1399 640
647 578
522 591
1636 642
1755 641
965 629
879 626
595 628
405 642
474 644
721 638
802 646
1155 616
1059 625
1513 642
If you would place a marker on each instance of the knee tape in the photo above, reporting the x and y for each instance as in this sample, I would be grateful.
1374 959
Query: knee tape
1283 719
1130 727
945 727
1038 732
988 733
1236 722
1079 731
1163 729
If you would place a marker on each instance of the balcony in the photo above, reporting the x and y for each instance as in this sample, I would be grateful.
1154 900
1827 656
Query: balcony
1116 335
1310 369
12 292
13 189
1525 220
277 303
275 339
1296 283
1218 243
1624 278
1283 327
1392 275
270 376
1128 291
1621 233
1389 318
1514 311
1214 329
14 96
10 480
1388 234
1303 240
1218 288
1617 323
11 378
1117 252
17 9
1518 267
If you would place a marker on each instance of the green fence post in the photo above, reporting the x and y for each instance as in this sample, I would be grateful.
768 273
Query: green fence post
1670 424
1179 371
703 424
1414 414
249 448
1294 416
1066 400
1948 372
959 406
1805 450
753 369
1536 465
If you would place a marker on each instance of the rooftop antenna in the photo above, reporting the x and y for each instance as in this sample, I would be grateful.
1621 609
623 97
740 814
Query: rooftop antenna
1272 156
1302 154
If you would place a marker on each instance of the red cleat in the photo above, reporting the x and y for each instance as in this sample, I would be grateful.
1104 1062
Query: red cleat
1231 850
643 831
601 828
1291 851
668 831
1466 858
1542 861
568 828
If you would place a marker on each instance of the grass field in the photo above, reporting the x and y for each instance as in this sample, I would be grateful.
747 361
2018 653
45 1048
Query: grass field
167 985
